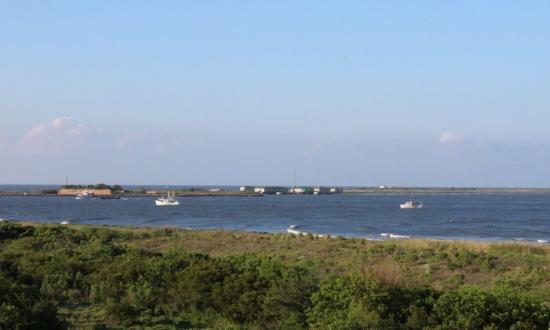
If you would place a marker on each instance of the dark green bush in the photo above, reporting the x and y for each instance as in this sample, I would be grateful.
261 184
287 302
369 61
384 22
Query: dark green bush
470 308
22 307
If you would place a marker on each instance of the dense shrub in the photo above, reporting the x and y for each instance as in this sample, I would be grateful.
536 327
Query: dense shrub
47 269
22 307
471 308
10 231
358 302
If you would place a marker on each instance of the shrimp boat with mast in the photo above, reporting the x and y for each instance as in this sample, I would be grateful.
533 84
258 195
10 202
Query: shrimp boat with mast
168 200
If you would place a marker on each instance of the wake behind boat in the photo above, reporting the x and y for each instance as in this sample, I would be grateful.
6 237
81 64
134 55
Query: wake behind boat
168 200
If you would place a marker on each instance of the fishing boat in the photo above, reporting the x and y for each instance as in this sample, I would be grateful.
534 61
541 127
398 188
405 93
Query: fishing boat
414 204
168 200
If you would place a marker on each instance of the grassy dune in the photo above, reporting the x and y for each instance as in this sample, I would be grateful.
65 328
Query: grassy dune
408 263
94 277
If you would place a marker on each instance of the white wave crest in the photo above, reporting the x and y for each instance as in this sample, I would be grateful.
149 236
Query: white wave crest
396 236
292 230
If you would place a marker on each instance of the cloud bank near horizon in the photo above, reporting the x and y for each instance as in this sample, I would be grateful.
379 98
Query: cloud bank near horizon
59 135
88 153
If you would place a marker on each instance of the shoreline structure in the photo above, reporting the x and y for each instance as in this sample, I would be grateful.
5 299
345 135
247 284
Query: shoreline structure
261 191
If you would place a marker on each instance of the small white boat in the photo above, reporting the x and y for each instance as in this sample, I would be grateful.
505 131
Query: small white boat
85 194
65 222
168 200
412 205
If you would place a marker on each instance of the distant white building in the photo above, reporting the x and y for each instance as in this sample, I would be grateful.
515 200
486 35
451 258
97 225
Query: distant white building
322 190
297 190
279 190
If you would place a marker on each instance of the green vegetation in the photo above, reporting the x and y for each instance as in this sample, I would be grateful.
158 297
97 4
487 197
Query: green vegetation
97 186
54 276
48 192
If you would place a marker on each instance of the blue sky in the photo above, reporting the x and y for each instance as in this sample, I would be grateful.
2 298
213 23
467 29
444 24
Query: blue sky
424 93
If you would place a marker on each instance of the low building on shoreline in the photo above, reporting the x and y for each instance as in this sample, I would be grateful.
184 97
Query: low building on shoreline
279 190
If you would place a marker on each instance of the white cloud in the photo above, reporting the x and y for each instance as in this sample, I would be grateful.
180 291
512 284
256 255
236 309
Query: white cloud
83 129
57 134
450 137
60 122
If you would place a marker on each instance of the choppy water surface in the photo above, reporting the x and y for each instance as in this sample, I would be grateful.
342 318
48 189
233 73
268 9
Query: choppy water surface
455 216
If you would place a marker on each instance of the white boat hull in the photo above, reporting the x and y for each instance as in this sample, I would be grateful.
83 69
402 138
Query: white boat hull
411 205
166 203
168 200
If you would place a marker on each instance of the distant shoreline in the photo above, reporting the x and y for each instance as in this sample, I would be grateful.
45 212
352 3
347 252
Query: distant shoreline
357 191
445 190
178 194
